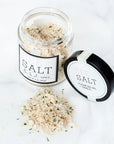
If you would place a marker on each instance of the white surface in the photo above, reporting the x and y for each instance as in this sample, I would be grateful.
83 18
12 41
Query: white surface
93 25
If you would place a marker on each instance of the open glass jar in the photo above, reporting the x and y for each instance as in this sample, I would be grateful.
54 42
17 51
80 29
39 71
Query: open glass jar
45 38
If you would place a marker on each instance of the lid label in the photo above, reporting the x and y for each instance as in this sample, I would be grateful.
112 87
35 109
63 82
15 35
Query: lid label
87 80
38 69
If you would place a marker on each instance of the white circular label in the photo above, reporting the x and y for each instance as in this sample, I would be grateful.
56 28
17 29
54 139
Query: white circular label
87 80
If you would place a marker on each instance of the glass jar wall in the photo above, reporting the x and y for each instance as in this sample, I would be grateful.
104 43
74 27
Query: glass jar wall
45 41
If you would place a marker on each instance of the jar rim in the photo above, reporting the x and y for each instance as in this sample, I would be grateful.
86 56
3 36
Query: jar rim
49 10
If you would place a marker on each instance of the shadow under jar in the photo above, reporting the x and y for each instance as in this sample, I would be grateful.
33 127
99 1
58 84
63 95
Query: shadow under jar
45 38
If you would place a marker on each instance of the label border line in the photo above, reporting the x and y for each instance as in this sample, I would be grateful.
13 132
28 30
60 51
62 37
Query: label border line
57 67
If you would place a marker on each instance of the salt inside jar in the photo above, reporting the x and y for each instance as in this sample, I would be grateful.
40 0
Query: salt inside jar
45 41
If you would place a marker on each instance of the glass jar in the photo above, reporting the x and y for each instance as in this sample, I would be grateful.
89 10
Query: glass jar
41 59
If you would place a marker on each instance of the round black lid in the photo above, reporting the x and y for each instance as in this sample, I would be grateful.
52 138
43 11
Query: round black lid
89 75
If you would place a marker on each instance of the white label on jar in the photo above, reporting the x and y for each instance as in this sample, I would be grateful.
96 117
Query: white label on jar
38 69
87 80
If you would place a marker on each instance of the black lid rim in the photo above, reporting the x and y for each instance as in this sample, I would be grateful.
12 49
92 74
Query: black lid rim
101 66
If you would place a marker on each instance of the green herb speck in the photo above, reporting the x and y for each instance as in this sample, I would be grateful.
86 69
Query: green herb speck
22 113
25 123
47 104
51 110
68 112
58 121
47 139
47 120
62 91
59 29
64 57
24 106
54 129
49 92
54 120
50 26
71 109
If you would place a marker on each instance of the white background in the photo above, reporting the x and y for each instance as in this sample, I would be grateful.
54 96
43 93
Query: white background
93 26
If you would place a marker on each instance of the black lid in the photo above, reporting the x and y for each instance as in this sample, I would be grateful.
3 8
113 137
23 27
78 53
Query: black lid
89 75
